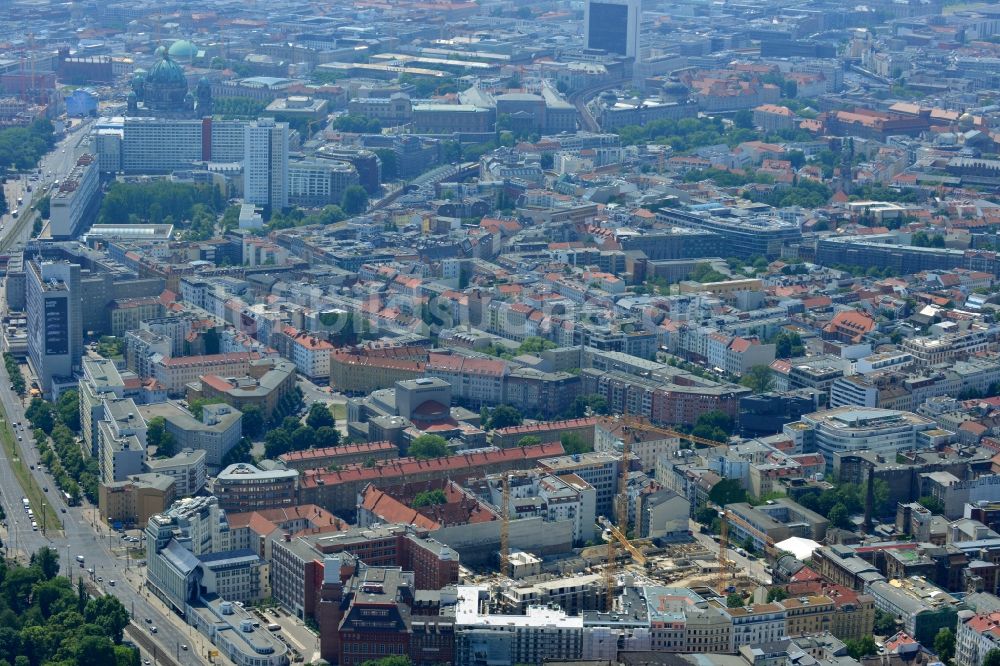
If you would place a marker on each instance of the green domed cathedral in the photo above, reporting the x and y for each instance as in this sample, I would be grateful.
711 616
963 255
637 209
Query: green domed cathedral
163 90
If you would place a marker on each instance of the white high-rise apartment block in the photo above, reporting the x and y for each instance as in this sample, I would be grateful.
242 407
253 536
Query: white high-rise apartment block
265 163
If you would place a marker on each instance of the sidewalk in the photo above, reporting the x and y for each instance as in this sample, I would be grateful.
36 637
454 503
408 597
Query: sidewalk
196 641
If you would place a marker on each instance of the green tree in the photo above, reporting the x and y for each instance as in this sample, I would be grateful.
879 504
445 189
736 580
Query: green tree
593 402
574 443
319 415
277 442
95 651
705 273
429 497
108 613
743 119
303 438
932 504
758 379
529 440
777 594
158 436
238 108
47 561
354 200
357 124
428 446
861 647
389 161
734 600
68 409
239 453
40 414
839 516
395 660
197 406
992 658
727 491
944 644
534 345
714 424
327 436
156 200
788 345
885 624
505 416
253 421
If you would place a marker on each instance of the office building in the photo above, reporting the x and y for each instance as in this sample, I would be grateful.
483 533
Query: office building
218 431
315 183
541 634
600 470
924 607
612 26
158 145
73 204
55 331
371 613
134 500
744 236
176 373
266 383
237 634
244 487
772 523
189 557
100 382
265 163
186 469
297 562
121 440
977 636
844 429
338 490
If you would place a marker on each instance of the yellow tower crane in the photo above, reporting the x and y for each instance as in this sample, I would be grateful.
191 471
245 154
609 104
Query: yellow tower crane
505 527
726 565
641 424
620 532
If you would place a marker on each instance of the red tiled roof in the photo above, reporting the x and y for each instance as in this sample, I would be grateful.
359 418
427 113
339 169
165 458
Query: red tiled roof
343 450
406 466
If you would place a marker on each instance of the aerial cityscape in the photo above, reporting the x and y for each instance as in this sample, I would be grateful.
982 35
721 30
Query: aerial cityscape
500 332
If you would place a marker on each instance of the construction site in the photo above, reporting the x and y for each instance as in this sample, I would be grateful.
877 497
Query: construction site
594 577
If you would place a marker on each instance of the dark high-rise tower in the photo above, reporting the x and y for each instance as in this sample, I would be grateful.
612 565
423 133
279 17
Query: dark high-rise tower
612 26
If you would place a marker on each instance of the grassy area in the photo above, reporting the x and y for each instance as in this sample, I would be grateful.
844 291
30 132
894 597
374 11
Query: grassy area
339 411
24 478
963 6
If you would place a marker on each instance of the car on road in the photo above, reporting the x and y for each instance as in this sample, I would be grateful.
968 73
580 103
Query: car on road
146 662
111 582
62 509
91 571
31 466
100 579
149 620
45 488
184 646
152 629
